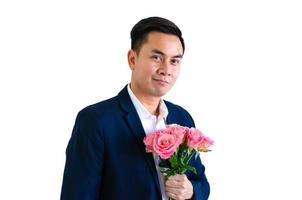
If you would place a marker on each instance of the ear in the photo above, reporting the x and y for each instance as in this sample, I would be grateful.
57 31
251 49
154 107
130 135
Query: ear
132 59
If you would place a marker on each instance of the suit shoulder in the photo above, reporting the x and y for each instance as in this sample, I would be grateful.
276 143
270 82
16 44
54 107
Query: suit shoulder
176 108
101 108
180 114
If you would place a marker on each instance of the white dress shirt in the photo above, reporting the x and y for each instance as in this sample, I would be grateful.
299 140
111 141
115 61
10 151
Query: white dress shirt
150 124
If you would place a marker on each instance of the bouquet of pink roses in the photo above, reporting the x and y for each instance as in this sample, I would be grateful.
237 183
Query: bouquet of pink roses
176 145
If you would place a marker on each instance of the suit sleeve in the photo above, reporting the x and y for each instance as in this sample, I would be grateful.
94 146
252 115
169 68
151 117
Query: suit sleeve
199 181
84 160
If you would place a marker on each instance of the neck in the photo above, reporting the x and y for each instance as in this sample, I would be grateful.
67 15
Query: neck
151 103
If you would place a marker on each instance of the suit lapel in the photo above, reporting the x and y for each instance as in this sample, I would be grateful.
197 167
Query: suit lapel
177 117
170 118
135 125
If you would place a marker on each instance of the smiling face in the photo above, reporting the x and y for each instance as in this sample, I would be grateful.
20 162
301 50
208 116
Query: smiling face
156 66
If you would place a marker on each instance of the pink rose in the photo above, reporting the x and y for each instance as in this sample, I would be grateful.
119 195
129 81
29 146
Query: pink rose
204 144
178 131
194 138
165 143
148 141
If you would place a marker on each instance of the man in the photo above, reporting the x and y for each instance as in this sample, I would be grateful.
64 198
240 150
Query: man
106 157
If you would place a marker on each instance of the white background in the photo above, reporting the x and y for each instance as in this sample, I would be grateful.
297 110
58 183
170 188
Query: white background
240 80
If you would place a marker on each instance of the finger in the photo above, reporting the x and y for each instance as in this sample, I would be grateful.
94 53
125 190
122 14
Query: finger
171 195
176 181
172 184
175 196
173 190
175 184
178 177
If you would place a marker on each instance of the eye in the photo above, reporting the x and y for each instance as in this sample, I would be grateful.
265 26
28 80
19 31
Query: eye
175 61
156 58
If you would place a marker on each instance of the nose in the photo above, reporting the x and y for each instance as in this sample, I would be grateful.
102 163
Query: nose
165 69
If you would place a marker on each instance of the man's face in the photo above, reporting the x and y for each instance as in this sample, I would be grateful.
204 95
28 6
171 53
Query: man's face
156 67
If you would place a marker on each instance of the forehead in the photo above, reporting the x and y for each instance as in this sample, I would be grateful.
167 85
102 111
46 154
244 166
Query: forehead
166 43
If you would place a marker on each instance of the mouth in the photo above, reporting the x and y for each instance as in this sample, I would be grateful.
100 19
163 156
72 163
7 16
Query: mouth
161 81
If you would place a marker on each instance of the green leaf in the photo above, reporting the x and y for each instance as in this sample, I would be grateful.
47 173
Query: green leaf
172 172
190 155
173 161
188 167
164 163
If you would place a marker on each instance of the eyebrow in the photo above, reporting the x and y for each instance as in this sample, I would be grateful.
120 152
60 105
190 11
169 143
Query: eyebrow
162 53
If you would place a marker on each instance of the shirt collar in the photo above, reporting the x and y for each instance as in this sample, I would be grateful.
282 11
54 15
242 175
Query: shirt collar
142 111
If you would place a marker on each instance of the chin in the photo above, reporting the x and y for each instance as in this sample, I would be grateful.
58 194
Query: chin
161 93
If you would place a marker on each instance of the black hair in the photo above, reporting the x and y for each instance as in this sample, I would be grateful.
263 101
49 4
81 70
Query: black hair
142 28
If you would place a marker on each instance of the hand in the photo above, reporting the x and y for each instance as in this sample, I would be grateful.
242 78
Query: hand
178 187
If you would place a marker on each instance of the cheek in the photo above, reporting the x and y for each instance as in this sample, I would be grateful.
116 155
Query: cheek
175 73
145 71
148 70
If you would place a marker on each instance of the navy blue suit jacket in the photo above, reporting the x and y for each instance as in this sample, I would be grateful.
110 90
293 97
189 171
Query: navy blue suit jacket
106 157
